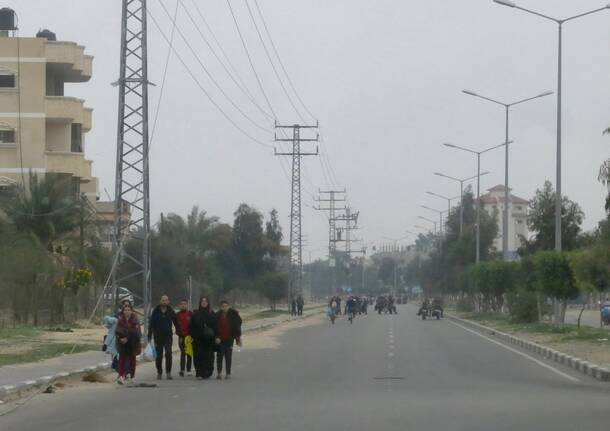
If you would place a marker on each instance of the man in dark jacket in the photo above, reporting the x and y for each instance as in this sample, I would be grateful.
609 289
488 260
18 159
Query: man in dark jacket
229 331
160 327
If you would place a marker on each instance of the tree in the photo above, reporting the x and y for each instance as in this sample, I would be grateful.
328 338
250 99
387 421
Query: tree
273 230
274 287
541 221
49 209
248 239
386 270
555 279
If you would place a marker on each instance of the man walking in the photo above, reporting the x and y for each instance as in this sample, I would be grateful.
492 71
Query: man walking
229 331
184 321
300 305
160 327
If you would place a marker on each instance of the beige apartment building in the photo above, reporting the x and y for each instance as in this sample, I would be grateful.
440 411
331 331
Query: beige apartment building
43 130
517 217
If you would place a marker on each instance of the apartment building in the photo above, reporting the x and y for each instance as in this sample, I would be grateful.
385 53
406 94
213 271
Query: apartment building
42 129
517 217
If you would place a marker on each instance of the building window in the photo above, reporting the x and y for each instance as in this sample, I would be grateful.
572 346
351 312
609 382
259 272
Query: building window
7 80
76 145
519 221
7 136
520 208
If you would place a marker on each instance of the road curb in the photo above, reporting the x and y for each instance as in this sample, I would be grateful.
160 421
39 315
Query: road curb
18 389
590 369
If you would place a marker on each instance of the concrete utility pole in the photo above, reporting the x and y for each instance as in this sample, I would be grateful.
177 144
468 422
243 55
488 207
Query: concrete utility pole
132 204
332 228
296 246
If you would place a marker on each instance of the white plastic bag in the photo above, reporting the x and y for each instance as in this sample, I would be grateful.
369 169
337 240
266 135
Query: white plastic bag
150 353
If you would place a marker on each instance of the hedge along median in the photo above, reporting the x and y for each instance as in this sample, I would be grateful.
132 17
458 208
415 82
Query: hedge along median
520 339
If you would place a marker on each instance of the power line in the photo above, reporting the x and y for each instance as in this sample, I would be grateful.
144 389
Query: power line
202 88
205 69
233 69
281 63
243 42
226 69
277 75
167 58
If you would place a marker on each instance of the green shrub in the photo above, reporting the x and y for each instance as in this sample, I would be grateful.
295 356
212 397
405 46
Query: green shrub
522 306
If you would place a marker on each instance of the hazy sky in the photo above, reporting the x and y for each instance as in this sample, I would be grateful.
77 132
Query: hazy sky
383 78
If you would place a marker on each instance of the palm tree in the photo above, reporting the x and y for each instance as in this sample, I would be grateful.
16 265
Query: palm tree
47 209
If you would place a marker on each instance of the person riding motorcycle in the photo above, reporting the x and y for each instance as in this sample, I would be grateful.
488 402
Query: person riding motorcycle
425 305
351 308
437 304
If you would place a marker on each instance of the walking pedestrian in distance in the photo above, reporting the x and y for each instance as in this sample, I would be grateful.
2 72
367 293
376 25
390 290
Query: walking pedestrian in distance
229 331
128 336
204 330
160 328
300 305
293 306
184 320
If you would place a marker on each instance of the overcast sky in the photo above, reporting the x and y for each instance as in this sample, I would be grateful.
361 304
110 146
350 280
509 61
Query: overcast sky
383 78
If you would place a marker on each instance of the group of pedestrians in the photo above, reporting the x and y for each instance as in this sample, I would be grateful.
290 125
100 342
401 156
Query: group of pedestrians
297 305
202 334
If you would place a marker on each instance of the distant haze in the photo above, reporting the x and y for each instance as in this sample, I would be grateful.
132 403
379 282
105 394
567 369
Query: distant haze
383 78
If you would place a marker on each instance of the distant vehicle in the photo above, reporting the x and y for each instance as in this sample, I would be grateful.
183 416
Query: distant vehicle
123 294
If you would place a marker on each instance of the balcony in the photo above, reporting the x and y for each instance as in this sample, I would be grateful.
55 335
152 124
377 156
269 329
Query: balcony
65 162
69 60
68 109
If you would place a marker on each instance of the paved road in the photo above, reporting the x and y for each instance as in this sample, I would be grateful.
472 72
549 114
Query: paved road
381 373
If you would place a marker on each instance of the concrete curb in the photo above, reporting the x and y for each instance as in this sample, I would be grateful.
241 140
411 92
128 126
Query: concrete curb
19 388
577 364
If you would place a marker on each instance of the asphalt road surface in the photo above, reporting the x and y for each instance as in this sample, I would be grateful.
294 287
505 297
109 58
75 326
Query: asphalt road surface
381 373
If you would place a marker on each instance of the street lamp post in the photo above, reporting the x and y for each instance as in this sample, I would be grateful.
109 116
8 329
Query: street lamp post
478 209
440 230
395 263
461 181
505 212
559 23
448 202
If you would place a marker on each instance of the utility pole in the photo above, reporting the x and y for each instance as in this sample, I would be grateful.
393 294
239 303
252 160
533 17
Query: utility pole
332 228
296 246
349 218
132 205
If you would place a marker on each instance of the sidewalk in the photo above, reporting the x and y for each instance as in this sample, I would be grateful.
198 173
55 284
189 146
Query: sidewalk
31 374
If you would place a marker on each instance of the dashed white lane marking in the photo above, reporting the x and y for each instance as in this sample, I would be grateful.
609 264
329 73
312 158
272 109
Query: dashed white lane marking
536 361
390 354
390 366
391 346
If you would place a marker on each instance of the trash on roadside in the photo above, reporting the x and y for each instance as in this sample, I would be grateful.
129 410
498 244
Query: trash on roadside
94 377
49 390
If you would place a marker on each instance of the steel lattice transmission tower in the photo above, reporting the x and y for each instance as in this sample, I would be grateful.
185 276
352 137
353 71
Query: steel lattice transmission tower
296 245
132 206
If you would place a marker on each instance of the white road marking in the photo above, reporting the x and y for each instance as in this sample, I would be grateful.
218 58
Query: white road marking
390 354
390 366
391 346
542 364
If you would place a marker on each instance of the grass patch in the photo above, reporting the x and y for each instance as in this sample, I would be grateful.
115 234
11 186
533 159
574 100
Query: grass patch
19 332
40 352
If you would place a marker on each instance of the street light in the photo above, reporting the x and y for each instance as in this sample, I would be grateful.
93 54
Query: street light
559 23
478 154
461 181
505 212
440 233
434 222
445 198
